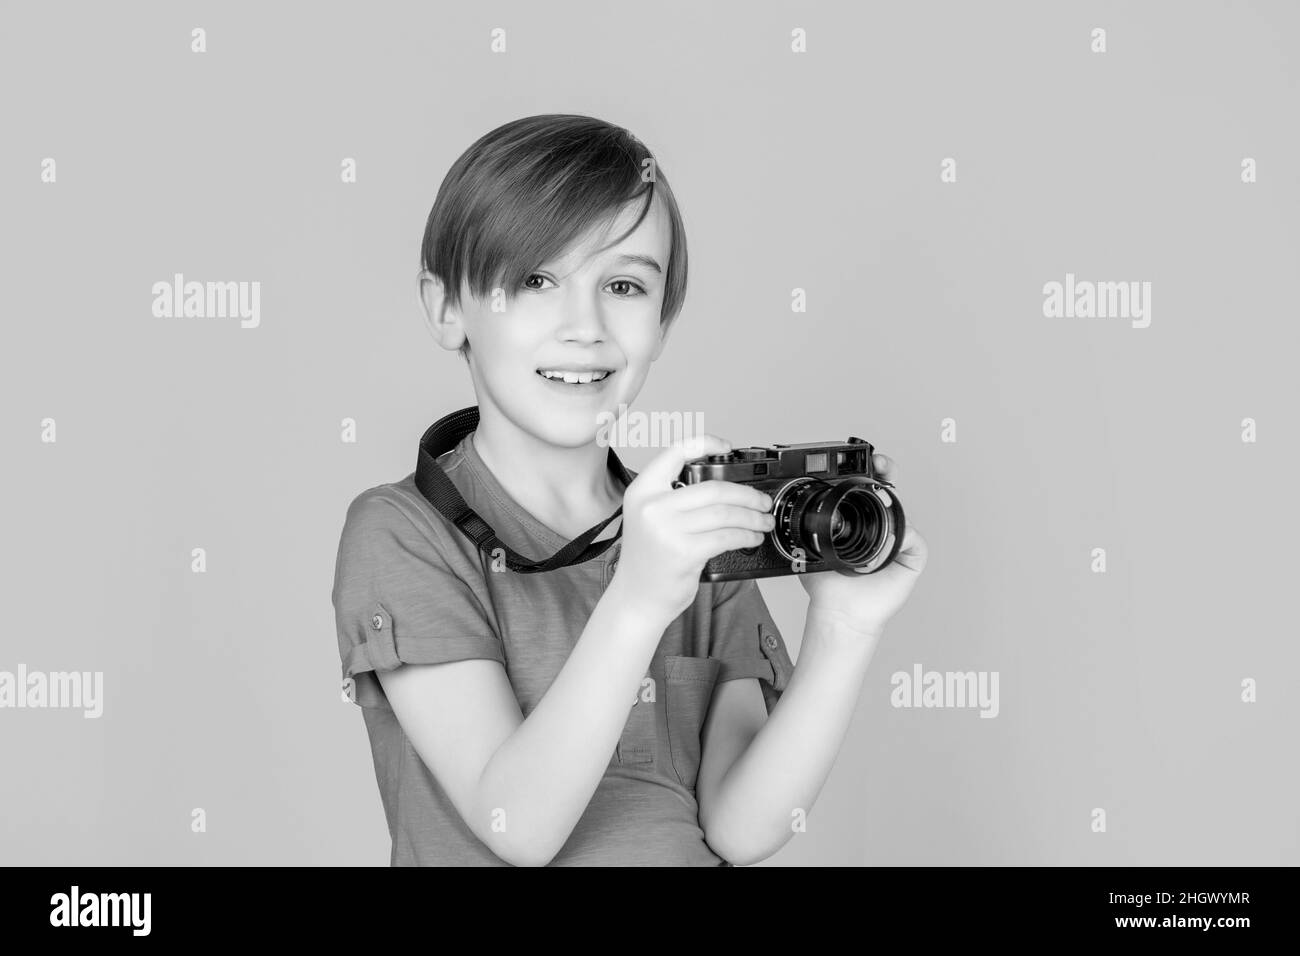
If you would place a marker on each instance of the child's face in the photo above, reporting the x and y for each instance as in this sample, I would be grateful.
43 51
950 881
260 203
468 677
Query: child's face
580 313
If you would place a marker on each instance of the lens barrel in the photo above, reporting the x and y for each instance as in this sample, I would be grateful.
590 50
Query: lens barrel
854 526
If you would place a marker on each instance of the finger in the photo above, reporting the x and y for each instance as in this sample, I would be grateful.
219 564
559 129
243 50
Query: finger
718 492
885 467
713 517
913 552
713 543
667 465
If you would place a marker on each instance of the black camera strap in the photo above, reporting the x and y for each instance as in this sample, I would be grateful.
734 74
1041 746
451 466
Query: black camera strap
444 435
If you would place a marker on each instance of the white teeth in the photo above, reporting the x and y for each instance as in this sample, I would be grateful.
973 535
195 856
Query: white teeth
575 378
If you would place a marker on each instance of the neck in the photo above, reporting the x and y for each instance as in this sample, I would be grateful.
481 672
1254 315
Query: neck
566 489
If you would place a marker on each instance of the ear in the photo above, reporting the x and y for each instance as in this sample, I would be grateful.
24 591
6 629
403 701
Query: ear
442 319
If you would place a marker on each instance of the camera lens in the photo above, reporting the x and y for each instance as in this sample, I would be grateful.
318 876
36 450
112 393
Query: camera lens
861 522
854 526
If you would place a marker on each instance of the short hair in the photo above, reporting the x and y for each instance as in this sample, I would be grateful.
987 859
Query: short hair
521 194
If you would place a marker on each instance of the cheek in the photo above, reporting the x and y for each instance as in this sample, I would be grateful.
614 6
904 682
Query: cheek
643 339
506 333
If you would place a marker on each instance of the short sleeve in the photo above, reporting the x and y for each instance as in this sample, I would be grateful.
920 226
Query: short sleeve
398 601
746 640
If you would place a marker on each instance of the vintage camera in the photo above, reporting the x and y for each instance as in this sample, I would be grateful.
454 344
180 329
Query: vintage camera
833 513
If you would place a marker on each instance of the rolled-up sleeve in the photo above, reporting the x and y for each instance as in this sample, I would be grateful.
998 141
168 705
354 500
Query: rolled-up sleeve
747 641
397 601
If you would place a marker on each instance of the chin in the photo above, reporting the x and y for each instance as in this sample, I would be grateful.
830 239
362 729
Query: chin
563 428
573 433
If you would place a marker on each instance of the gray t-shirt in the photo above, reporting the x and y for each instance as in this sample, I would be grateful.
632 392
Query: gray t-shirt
409 588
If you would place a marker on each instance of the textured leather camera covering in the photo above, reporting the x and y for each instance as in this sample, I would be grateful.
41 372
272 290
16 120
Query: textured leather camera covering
742 564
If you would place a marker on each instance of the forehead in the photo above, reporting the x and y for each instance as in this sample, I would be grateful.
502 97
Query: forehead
652 237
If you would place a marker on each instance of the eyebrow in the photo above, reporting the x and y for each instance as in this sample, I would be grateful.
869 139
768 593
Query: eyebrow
633 259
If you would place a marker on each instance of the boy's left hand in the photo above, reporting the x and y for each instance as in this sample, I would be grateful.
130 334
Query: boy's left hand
867 601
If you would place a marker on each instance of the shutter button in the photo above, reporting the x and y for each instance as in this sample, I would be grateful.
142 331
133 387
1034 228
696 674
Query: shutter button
377 621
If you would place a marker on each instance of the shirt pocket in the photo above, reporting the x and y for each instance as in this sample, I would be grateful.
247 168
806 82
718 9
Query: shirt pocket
689 683
637 743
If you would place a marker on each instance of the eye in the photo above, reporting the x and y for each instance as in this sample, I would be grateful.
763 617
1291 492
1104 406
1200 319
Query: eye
534 275
628 282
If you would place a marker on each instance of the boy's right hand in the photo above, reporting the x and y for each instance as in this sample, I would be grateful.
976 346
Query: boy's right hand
670 533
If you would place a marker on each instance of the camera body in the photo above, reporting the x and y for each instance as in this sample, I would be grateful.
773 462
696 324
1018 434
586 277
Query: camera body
833 512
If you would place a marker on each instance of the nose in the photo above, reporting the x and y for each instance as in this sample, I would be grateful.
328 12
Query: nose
583 322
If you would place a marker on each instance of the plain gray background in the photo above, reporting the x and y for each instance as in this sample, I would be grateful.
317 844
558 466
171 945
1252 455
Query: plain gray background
819 171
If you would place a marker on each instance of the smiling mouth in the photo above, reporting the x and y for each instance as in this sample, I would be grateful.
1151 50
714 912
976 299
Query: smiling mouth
574 377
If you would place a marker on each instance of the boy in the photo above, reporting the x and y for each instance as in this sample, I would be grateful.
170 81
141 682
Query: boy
500 705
